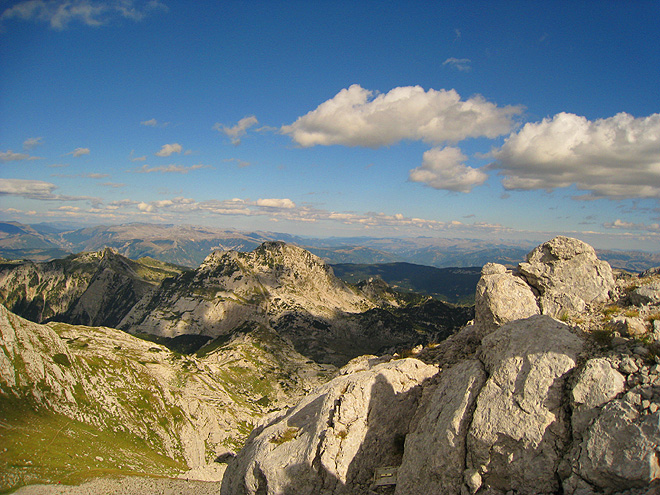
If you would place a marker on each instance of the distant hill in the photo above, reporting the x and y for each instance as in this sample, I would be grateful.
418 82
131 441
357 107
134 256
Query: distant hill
454 285
188 245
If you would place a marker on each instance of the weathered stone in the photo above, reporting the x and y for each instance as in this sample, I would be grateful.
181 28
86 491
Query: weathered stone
434 456
619 449
646 294
519 426
596 384
628 327
333 441
501 297
628 365
568 275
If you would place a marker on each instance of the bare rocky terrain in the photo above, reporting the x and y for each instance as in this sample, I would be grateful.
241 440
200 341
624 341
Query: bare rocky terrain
554 387
550 390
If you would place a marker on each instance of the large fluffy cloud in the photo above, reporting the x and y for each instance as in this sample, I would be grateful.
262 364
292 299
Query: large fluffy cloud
617 157
444 168
354 117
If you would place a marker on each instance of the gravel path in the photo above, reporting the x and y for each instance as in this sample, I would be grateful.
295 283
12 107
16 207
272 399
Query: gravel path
130 485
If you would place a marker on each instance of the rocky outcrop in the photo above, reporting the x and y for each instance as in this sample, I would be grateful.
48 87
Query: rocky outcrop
186 409
568 275
502 297
334 439
435 448
520 429
560 276
87 289
522 402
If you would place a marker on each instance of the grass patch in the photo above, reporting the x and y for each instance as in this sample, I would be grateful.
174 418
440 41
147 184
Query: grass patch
45 447
62 359
611 310
285 436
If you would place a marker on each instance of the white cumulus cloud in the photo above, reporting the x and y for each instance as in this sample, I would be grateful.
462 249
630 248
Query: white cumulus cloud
444 168
237 131
617 157
169 149
354 117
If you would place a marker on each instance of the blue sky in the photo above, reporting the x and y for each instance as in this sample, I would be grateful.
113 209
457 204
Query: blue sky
490 120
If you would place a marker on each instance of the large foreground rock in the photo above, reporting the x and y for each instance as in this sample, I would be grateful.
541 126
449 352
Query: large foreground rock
620 449
332 442
568 275
520 428
434 456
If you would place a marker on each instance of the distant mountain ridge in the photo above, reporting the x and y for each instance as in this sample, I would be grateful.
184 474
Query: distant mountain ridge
189 245
279 286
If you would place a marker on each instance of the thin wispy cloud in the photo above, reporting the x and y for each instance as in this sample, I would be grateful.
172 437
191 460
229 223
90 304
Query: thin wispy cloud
10 156
169 169
137 158
79 152
169 149
154 123
37 189
237 131
59 14
239 163
621 224
31 143
461 64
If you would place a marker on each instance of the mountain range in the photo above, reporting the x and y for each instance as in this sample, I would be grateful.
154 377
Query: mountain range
189 245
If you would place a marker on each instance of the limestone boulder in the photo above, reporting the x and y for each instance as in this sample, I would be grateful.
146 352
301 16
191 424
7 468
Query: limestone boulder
647 294
333 441
434 456
520 427
568 275
501 297
596 383
619 449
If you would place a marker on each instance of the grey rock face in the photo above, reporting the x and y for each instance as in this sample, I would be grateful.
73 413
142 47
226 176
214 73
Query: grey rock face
596 384
334 439
519 428
619 449
568 275
501 297
434 456
647 294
